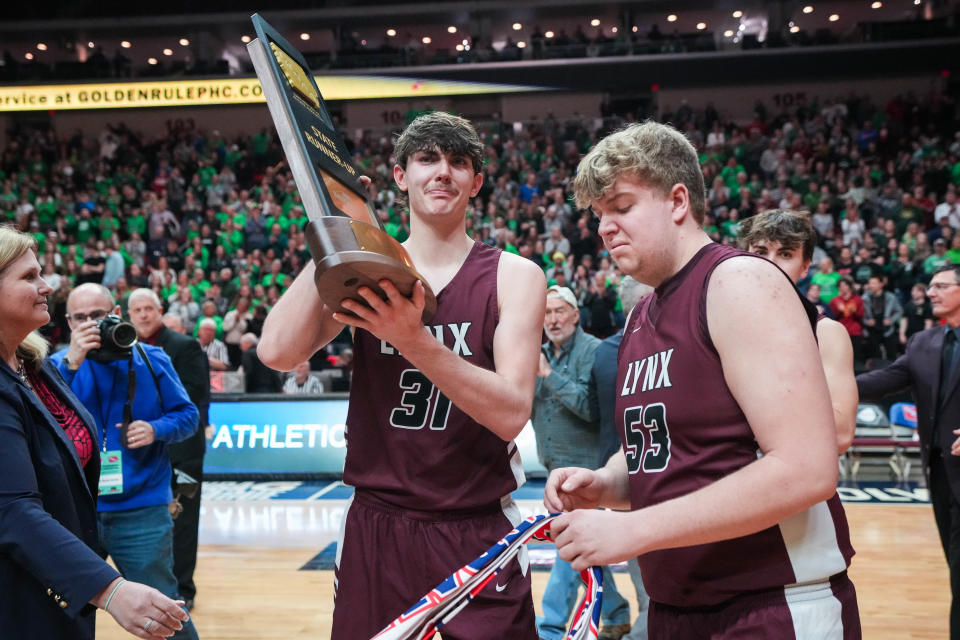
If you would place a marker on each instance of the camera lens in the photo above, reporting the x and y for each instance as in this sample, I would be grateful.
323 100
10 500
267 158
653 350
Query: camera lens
124 335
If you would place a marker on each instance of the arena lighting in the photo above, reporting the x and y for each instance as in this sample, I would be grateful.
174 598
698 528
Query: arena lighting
184 42
28 56
635 28
426 40
459 47
391 33
90 45
672 17
125 44
548 34
521 44
808 9
41 46
595 22
244 39
614 29
517 26
876 5
728 33
916 1
363 42
737 14
304 36
834 17
168 52
701 26
451 29
151 61
465 42
794 29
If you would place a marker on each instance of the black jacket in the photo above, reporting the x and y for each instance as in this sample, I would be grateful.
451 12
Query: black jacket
258 377
193 367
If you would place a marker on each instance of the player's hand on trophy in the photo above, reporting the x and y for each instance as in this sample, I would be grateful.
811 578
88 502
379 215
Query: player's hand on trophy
591 537
396 320
570 488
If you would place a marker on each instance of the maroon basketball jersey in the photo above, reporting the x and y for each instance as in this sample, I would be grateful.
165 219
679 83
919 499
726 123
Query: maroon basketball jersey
405 440
682 429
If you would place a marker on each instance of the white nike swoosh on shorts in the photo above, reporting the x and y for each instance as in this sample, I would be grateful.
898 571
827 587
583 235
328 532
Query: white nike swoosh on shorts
501 587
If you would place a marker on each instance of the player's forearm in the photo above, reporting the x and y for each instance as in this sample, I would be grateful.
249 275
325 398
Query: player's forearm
836 354
297 326
616 481
754 498
493 400
846 423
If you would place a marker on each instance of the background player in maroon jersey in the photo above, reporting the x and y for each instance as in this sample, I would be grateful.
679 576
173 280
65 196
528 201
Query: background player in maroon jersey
729 459
429 432
787 239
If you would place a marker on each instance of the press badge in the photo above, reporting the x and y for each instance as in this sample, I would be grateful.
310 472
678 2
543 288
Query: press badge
111 472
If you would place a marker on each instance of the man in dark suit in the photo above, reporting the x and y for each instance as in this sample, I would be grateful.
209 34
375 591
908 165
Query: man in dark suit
929 368
192 366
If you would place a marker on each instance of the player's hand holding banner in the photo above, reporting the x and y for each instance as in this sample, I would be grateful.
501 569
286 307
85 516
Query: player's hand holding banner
446 600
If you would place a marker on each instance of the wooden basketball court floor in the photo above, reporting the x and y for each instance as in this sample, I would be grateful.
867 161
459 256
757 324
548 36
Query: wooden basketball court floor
253 545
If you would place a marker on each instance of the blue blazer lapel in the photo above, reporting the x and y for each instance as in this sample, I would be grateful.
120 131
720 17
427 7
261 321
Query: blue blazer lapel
56 382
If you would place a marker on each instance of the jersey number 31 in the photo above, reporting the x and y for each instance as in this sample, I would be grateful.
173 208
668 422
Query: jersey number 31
421 402
647 438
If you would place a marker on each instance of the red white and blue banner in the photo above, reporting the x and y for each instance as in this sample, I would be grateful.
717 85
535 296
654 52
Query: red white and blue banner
449 597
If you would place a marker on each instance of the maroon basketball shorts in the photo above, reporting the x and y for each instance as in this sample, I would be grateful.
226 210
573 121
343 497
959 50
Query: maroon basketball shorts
819 611
389 557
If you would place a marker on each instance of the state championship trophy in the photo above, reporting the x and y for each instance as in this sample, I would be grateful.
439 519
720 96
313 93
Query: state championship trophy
349 246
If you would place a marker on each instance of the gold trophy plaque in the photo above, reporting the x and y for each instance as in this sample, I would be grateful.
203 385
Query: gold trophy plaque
350 249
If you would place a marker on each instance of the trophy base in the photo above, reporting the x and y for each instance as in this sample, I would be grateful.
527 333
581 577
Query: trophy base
349 254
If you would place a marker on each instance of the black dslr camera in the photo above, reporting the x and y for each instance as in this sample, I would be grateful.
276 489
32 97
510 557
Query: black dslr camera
116 339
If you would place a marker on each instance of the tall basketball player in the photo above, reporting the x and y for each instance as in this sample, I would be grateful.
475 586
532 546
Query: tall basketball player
729 448
433 409
787 238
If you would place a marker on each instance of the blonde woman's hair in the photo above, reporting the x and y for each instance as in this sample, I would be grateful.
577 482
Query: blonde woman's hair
13 244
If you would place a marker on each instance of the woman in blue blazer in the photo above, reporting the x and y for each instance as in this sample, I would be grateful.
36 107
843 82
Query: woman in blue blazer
51 579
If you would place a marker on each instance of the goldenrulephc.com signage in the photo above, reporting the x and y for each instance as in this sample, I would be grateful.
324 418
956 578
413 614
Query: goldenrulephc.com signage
183 93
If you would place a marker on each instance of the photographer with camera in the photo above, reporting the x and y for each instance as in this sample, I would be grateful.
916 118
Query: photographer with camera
140 406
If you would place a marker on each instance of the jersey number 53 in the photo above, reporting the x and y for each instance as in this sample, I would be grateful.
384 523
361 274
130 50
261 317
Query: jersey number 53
647 438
